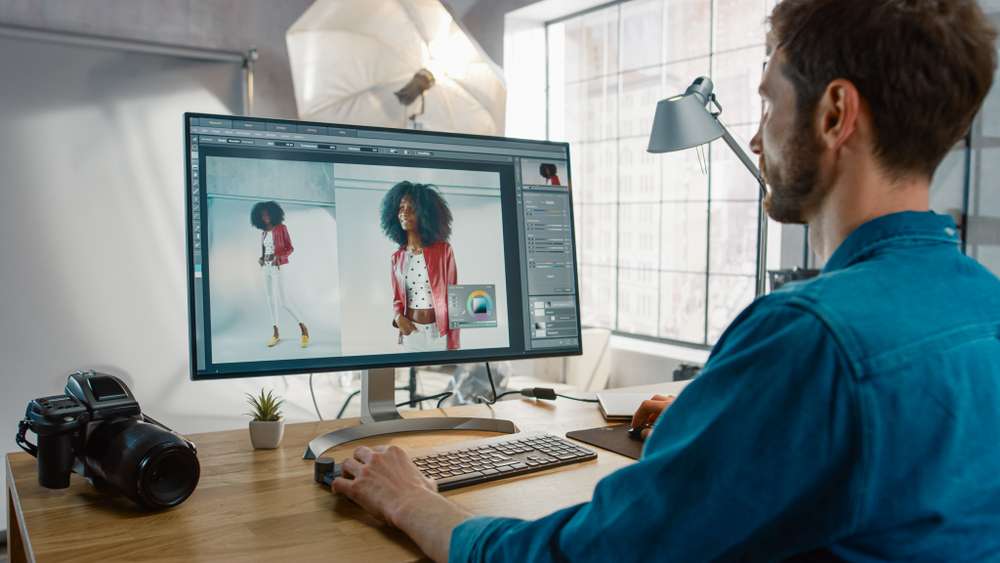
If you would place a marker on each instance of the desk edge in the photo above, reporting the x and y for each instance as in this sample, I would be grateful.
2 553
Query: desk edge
15 501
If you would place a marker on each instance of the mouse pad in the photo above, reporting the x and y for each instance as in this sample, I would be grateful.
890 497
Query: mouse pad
611 438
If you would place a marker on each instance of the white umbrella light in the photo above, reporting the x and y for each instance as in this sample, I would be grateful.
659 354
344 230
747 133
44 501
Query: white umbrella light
359 61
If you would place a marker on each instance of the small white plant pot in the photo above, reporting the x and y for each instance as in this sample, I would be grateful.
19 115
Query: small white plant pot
266 435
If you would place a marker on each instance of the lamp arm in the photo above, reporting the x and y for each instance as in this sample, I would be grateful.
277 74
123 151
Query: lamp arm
761 274
744 157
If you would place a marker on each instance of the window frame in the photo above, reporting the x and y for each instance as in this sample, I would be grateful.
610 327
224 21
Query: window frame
706 329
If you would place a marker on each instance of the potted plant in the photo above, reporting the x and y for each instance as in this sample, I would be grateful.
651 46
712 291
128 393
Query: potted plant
266 427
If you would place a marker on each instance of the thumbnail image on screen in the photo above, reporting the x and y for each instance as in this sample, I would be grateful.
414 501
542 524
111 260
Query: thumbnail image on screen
543 172
287 239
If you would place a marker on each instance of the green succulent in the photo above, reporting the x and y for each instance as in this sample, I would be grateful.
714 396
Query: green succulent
266 407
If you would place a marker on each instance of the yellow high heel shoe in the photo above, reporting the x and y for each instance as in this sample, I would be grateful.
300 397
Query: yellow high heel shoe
305 340
273 342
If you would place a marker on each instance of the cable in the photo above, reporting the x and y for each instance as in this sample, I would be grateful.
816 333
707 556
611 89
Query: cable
505 393
313 395
347 401
489 375
544 393
576 398
440 396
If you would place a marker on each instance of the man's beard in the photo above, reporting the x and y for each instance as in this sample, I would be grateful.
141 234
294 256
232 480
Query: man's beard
796 188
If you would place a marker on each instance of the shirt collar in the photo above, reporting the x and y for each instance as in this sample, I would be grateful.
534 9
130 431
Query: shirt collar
896 227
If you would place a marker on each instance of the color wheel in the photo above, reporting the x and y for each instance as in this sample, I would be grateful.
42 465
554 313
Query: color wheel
479 305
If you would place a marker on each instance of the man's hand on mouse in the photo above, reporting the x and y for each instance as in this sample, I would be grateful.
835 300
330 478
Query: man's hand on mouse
382 480
649 411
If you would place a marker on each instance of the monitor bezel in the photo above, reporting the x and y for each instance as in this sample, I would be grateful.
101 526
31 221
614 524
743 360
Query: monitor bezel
409 361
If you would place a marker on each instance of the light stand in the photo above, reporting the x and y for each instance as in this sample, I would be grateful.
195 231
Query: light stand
379 417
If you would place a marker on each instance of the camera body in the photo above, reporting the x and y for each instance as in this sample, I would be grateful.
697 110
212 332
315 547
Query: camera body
97 430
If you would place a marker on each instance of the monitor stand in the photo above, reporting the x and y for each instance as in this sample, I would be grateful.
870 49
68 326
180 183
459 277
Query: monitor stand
379 417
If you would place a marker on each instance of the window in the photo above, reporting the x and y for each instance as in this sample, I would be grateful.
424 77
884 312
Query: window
666 243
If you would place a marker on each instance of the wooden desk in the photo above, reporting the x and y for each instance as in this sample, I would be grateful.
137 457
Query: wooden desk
263 504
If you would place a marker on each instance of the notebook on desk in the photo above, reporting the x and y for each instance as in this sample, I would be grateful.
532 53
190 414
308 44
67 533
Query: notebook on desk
620 406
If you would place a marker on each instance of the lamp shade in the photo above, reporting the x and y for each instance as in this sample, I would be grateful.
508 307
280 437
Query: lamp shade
684 121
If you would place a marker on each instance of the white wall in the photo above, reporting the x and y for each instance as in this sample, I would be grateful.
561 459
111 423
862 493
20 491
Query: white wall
93 237
93 230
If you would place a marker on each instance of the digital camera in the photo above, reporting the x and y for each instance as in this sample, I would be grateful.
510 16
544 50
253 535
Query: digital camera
97 430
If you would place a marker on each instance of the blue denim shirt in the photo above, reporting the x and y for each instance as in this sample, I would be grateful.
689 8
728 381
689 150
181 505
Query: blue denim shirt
855 415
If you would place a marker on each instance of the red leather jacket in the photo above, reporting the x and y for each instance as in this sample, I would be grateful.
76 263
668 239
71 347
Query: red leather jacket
282 244
441 270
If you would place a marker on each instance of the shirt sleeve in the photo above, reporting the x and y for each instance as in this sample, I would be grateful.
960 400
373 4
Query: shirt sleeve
282 242
756 460
397 291
451 278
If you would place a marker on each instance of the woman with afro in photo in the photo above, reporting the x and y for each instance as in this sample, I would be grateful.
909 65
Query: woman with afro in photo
417 218
275 247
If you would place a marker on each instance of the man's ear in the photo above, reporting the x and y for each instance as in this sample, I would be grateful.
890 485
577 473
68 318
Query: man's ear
838 112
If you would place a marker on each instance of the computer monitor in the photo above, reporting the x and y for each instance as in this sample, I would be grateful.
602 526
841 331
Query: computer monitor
314 247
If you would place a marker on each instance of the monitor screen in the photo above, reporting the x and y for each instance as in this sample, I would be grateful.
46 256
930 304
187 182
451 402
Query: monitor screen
317 247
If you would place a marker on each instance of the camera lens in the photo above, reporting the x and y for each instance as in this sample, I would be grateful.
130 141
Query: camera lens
153 467
168 474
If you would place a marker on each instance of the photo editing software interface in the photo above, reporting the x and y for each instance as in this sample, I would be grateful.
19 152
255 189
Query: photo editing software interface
320 247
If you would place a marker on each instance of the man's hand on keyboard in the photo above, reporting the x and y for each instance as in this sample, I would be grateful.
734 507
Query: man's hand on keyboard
649 411
387 484
382 480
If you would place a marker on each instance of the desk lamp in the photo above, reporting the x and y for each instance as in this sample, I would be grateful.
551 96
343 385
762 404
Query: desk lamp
691 120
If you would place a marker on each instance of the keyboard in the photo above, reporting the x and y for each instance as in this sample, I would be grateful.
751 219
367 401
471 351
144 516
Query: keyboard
484 460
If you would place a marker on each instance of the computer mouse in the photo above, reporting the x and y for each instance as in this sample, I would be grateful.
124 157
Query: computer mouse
325 470
635 433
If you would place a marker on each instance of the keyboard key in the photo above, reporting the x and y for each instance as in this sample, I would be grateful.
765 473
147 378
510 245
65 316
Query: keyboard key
460 477
499 457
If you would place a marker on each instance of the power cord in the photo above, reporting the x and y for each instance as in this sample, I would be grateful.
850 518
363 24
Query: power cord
544 393
493 387
582 400
313 395
440 397
347 401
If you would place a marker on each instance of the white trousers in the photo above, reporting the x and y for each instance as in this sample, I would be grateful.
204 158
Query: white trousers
425 339
275 292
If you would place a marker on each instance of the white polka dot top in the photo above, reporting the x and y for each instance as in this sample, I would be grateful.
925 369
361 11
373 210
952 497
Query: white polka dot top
268 243
418 283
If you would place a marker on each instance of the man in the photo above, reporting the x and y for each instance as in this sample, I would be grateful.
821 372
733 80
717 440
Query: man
855 416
